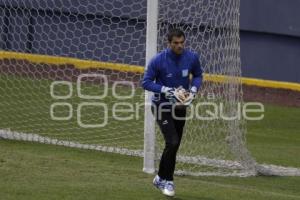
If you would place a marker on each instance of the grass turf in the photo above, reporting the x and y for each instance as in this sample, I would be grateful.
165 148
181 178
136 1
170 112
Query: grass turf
37 171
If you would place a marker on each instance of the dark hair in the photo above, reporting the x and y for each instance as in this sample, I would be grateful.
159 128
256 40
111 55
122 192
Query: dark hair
175 33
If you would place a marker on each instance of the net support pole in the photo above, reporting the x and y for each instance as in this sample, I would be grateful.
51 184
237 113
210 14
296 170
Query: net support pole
149 122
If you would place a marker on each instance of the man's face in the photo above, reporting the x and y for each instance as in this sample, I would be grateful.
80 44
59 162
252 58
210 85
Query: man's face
177 44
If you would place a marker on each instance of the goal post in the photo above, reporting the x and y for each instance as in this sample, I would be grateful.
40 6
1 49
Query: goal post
149 124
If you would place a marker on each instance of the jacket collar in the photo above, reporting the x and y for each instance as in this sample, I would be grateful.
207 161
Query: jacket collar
174 55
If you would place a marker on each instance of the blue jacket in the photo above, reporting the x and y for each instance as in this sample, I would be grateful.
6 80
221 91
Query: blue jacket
171 70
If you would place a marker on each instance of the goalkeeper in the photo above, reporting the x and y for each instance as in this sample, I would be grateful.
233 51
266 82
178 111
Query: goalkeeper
168 70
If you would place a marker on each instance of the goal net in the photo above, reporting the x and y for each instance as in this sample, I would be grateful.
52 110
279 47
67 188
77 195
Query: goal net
70 75
212 144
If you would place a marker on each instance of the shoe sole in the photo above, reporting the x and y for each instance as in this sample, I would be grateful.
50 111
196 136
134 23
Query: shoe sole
169 195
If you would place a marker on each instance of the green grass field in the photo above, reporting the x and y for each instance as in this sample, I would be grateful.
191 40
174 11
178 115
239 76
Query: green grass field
26 103
276 138
39 171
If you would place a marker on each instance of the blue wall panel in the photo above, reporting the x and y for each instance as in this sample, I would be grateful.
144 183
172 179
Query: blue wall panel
18 30
116 8
100 30
2 29
270 39
271 16
270 56
15 30
98 38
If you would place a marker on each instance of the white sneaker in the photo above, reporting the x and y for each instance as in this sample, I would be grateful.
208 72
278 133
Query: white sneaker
169 189
159 183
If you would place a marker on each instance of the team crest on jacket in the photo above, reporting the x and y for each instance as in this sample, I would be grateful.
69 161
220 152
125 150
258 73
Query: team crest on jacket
185 72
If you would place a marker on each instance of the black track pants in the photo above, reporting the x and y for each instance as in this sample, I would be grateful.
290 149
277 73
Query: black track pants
172 130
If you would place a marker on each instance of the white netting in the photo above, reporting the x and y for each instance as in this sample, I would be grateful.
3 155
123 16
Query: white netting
68 96
54 89
212 30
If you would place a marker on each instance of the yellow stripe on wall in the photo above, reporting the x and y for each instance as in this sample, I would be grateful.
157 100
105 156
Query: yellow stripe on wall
78 63
254 82
271 84
90 64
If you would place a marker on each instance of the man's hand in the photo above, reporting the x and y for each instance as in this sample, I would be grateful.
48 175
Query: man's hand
169 92
193 91
185 97
190 95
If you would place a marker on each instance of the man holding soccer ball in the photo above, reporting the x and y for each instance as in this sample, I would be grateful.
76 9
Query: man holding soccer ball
168 76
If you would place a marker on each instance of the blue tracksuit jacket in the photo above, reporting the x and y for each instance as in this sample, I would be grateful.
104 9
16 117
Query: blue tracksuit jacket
171 70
